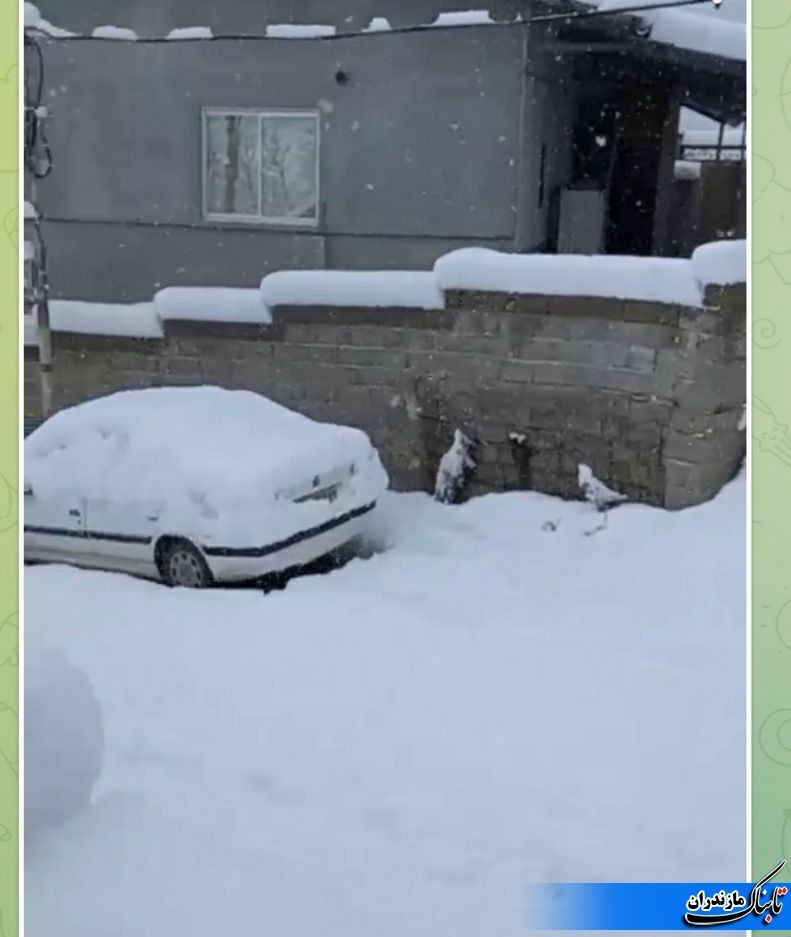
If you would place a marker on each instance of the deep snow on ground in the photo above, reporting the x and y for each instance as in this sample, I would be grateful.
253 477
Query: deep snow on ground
398 747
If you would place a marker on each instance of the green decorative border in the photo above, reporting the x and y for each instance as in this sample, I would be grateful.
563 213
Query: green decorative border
771 437
9 459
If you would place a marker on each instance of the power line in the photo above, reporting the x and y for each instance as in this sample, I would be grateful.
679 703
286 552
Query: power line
38 164
392 31
38 158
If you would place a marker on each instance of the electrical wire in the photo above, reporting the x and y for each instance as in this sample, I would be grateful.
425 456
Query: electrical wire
37 153
395 30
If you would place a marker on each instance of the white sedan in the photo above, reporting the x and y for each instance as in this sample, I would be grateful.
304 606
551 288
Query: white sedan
194 485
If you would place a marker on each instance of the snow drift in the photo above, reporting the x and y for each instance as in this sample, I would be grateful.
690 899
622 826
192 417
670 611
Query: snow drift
413 738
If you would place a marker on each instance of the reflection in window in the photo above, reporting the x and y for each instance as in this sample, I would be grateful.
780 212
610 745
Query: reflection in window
261 166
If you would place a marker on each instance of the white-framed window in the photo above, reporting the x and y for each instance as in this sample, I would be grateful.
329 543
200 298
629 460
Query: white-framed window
261 166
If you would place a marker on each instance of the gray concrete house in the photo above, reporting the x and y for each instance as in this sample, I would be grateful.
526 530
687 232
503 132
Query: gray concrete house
194 162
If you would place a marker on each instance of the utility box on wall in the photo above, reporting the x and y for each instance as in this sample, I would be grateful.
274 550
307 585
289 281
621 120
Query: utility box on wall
581 222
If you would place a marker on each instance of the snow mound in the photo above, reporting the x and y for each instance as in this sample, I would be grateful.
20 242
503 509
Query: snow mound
393 288
64 740
211 304
190 32
114 32
298 31
131 320
209 463
721 263
652 279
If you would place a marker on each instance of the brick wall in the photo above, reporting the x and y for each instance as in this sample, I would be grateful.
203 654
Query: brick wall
649 395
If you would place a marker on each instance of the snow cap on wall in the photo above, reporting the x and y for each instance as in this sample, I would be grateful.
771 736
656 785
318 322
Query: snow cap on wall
722 263
386 288
676 281
650 279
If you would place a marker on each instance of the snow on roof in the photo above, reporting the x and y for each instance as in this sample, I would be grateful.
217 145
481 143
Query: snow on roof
114 32
688 31
464 18
713 33
190 32
394 288
379 24
652 279
212 304
721 263
34 20
298 31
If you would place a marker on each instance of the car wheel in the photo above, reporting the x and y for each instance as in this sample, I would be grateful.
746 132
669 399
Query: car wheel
183 565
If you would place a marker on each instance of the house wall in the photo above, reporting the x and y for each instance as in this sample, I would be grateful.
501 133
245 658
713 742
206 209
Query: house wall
649 395
430 145
549 112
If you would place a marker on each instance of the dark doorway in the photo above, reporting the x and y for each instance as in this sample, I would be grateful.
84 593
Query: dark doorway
634 175
632 201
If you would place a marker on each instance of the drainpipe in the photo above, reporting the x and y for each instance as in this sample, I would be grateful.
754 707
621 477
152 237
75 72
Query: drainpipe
520 219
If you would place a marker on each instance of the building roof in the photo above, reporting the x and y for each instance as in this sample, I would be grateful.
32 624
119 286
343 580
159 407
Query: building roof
705 54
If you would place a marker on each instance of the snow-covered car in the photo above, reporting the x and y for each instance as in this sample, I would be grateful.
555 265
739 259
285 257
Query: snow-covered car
194 485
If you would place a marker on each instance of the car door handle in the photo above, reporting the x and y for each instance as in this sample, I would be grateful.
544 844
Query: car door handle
74 512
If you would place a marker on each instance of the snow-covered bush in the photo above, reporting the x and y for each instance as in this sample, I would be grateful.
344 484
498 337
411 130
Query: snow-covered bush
596 491
455 469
